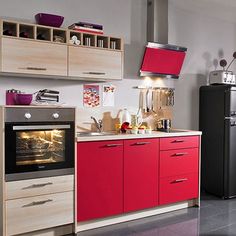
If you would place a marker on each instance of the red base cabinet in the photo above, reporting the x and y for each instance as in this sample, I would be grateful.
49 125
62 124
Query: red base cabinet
99 179
120 176
141 158
179 167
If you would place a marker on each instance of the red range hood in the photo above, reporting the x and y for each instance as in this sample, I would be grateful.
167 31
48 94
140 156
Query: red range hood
162 60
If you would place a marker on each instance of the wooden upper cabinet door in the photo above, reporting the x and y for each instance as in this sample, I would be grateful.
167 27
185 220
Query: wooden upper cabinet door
95 63
33 57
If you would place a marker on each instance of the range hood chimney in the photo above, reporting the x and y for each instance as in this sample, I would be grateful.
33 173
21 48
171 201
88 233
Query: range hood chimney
160 58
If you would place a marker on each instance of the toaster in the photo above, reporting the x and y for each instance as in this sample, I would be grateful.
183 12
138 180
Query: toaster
222 77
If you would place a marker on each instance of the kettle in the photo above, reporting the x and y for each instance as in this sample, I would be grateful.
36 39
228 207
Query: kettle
163 124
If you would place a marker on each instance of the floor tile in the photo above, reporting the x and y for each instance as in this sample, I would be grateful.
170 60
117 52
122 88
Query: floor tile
214 217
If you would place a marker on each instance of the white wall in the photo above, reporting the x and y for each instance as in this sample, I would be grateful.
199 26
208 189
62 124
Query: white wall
206 27
123 18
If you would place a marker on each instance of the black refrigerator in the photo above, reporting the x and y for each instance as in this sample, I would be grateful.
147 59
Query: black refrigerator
218 125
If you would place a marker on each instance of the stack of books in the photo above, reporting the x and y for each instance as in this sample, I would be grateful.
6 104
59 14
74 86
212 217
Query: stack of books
85 27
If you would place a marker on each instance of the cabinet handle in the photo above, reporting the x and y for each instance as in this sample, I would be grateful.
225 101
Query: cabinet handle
180 154
33 68
113 145
37 203
179 180
38 185
178 141
142 143
94 73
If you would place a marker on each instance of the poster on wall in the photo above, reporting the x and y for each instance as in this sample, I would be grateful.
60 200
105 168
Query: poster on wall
91 97
108 98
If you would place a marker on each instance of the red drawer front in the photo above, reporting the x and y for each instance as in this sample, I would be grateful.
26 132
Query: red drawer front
179 142
178 188
177 162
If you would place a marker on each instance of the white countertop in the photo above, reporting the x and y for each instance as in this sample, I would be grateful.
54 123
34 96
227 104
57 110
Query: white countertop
154 134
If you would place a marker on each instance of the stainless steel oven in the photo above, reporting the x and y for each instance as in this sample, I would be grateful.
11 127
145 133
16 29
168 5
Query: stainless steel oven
39 142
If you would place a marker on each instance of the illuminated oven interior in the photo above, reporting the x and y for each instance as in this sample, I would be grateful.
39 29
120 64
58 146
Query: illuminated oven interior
40 147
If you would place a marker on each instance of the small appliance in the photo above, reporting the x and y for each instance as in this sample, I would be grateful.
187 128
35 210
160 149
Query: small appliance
222 77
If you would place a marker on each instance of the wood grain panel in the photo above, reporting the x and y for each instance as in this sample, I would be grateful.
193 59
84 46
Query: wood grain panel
33 57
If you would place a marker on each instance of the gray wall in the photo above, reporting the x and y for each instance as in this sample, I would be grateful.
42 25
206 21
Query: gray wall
206 27
123 18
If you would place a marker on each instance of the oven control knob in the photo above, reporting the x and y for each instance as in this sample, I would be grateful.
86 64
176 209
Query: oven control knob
27 115
55 115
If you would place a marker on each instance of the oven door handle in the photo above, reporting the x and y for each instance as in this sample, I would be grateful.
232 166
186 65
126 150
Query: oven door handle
40 127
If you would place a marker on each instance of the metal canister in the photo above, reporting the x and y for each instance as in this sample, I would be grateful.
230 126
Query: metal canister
11 96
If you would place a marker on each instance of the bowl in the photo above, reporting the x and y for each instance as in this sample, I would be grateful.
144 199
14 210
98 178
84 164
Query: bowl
49 19
23 98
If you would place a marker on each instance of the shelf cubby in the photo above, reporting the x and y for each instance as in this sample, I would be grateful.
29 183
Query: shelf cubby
43 33
102 41
76 34
10 28
89 40
59 36
26 31
115 44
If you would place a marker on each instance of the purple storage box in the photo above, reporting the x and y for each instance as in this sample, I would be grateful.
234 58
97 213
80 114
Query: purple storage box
49 19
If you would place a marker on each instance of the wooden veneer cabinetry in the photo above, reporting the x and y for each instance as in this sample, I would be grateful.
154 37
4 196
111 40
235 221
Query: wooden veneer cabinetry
38 204
40 54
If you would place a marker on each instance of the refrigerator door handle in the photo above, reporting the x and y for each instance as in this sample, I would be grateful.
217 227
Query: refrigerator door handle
230 118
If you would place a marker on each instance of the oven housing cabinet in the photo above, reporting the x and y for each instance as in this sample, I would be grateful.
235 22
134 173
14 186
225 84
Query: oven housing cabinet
15 171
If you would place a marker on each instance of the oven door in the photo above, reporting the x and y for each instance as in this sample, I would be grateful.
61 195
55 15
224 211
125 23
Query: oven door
38 150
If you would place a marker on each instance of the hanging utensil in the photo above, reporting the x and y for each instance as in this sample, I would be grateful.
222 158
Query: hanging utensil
147 101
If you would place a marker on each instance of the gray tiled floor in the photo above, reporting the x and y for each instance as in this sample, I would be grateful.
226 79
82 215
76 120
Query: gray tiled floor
214 217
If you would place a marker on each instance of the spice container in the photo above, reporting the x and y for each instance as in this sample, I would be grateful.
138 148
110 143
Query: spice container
11 96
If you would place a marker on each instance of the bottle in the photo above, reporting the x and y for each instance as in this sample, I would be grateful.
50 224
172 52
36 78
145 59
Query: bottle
126 117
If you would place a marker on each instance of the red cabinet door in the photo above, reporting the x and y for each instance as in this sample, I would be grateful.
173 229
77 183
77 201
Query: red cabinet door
178 188
99 179
140 174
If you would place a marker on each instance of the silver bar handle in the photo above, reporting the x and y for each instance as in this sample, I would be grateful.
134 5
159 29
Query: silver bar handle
94 73
44 127
180 180
178 141
180 154
37 203
33 68
38 185
113 145
142 143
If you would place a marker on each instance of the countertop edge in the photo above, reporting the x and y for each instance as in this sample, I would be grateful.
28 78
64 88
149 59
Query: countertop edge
154 134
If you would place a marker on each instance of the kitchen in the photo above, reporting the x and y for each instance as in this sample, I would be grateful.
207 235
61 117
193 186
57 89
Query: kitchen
202 50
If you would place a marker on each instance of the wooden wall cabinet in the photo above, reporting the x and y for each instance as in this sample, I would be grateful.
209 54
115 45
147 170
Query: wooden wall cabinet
95 63
36 50
31 57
